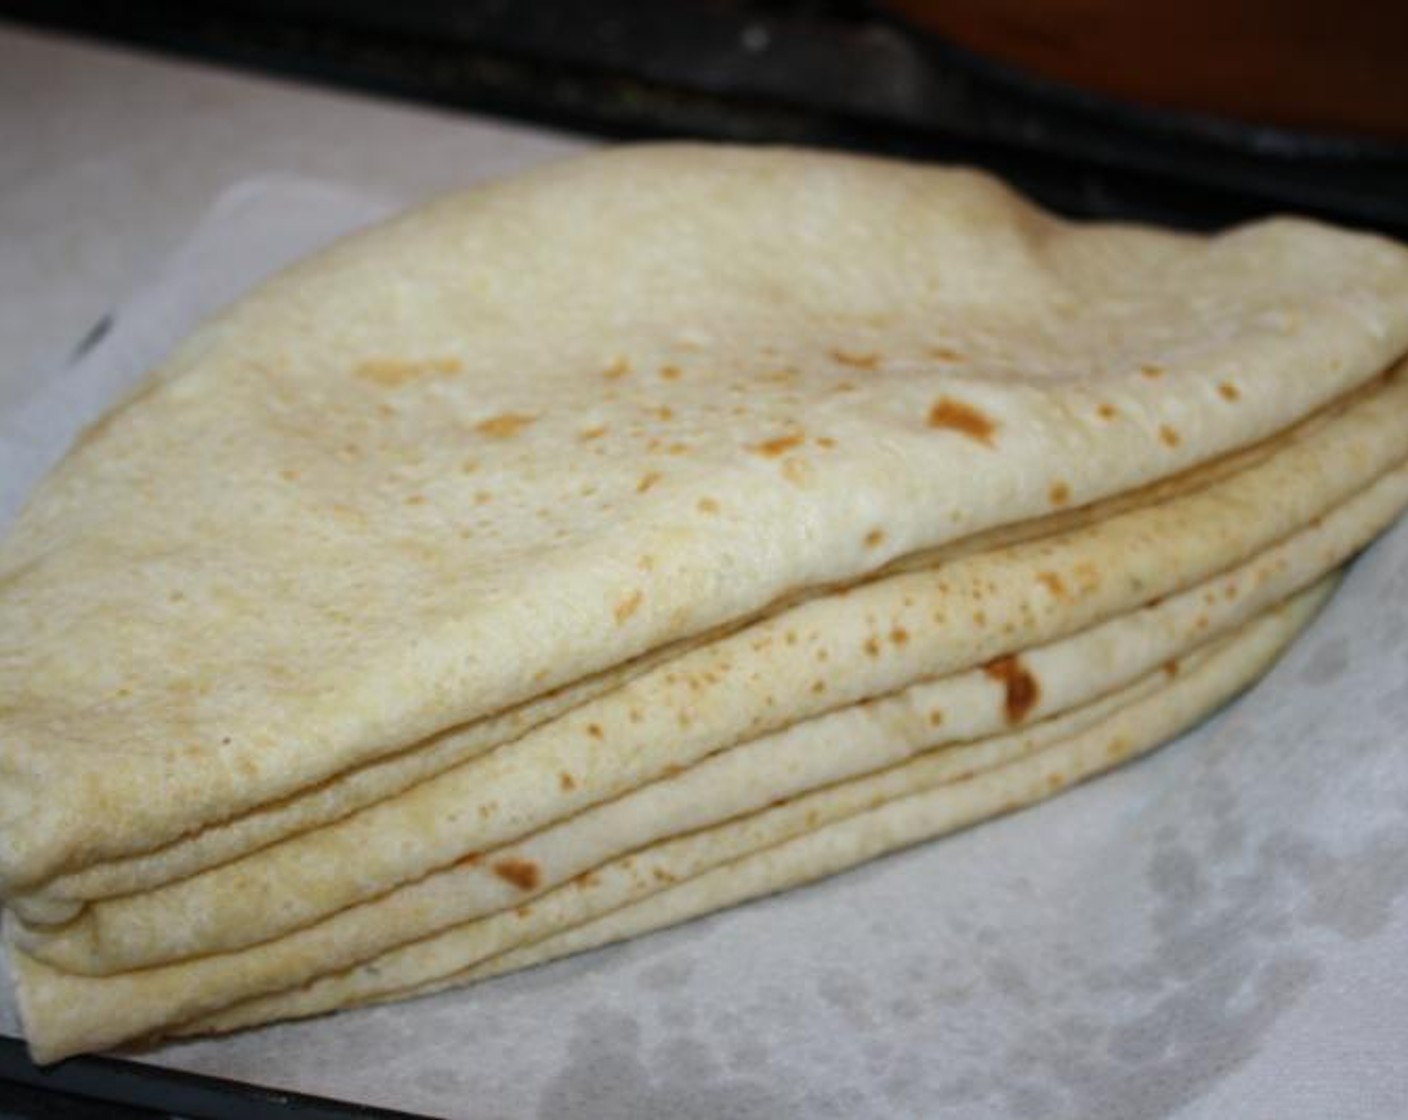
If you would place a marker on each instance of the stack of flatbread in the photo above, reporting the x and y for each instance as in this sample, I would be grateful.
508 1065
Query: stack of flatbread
656 531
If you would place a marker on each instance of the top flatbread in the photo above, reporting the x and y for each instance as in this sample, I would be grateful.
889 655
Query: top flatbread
526 433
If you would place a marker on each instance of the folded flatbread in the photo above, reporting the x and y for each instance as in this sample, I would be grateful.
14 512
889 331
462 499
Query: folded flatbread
820 656
523 435
65 1012
587 514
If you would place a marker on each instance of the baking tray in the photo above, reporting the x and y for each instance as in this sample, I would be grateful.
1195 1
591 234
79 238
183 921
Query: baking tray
840 75
101 1088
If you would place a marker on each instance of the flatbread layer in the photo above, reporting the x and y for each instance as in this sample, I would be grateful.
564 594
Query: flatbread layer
931 793
60 899
529 433
865 643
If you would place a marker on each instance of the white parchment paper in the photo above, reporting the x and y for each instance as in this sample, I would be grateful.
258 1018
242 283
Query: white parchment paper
1220 930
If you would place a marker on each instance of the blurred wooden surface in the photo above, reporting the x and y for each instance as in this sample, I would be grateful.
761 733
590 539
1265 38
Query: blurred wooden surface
1338 66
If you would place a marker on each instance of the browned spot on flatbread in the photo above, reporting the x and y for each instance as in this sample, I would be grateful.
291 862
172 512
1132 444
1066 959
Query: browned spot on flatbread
874 538
1021 688
1151 371
616 370
647 480
872 647
963 418
1059 493
627 606
505 425
1170 669
1106 411
566 781
936 717
797 471
392 373
593 433
1169 435
670 373
778 446
855 359
1229 392
785 375
1053 583
594 730
945 354
708 505
522 873
899 636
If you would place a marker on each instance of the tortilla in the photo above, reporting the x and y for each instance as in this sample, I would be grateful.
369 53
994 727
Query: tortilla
968 784
59 900
735 515
527 434
874 639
